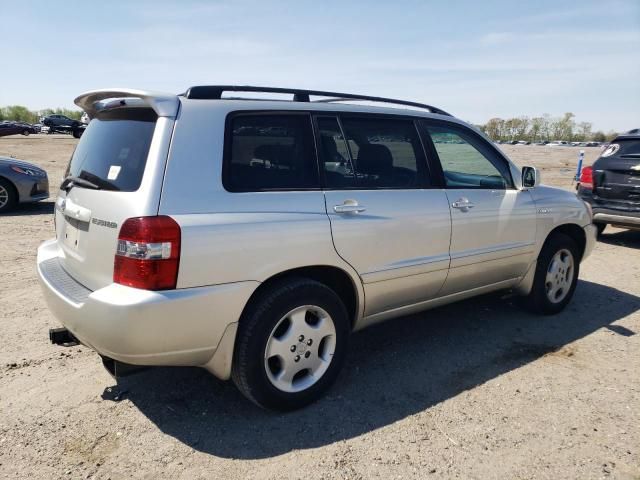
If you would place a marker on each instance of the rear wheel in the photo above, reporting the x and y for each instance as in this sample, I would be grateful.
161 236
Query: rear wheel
291 344
26 133
556 275
8 197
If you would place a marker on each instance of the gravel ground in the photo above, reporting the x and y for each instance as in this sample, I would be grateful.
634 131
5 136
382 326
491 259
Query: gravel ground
479 389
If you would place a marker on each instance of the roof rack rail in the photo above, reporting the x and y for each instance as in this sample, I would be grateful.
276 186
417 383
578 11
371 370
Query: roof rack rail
214 92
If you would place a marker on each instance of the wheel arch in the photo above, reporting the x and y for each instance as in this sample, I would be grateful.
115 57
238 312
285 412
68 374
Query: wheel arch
572 230
340 281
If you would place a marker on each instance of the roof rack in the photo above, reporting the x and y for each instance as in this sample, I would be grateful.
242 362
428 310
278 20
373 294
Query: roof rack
214 92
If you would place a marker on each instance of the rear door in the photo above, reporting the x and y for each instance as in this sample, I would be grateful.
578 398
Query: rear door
386 221
122 153
616 176
493 223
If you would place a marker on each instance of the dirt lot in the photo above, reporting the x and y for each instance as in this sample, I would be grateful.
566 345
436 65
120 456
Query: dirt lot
474 390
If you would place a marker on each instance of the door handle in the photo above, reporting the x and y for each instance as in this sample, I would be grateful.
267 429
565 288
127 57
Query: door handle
349 206
462 204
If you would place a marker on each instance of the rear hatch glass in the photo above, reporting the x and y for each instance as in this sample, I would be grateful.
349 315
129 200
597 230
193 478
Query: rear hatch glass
114 148
102 188
617 172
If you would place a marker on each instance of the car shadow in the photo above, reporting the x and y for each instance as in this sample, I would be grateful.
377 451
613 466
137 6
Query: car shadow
621 238
393 370
26 209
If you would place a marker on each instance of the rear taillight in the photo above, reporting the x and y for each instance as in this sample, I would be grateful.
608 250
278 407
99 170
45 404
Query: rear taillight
148 253
586 178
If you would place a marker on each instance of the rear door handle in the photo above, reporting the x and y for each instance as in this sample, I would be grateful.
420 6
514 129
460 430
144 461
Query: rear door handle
349 206
462 204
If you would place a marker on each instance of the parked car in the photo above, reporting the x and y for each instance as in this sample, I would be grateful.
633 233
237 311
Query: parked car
21 182
15 128
251 237
612 184
85 118
60 121
63 124
558 143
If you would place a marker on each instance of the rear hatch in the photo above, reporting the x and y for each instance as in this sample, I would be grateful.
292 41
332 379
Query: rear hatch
616 175
115 173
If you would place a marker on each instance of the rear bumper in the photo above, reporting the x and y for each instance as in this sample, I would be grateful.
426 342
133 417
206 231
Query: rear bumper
140 327
627 220
621 213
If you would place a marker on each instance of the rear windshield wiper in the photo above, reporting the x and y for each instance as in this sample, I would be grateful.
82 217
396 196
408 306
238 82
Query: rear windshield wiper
95 182
71 181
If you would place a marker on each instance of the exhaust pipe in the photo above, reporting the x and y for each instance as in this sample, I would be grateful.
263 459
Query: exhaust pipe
62 336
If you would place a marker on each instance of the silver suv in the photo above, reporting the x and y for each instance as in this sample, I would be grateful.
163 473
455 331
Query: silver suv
251 237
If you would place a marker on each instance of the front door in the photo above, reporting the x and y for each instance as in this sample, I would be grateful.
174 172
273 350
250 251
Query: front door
386 221
493 223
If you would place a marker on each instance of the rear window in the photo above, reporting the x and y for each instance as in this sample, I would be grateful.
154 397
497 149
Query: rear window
113 149
270 152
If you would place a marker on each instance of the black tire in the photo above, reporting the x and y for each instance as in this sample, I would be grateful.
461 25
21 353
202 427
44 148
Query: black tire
538 301
26 133
600 227
9 197
77 133
259 320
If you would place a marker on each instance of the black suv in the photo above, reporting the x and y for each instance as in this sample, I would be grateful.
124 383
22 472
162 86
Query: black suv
61 123
612 184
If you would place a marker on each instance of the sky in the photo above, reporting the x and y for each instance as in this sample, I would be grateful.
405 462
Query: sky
476 59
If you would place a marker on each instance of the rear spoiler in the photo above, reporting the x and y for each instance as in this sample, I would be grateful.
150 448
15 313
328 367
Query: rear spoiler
164 104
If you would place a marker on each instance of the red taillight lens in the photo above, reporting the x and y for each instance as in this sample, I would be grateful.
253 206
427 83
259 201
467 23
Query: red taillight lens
586 177
148 253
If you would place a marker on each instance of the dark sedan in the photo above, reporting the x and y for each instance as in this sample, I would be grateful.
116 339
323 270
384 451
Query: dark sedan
16 128
21 182
612 184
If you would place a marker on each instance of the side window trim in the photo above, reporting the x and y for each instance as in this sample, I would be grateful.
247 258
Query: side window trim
228 140
425 171
490 152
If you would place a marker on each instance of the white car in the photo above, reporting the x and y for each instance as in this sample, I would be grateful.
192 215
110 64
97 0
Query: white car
252 237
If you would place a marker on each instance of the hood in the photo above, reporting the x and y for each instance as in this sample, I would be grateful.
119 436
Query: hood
6 161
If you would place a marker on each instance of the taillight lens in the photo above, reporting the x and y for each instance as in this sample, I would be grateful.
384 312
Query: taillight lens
148 253
586 178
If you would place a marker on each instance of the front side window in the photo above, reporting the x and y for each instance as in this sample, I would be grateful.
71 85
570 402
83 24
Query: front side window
270 152
466 163
375 153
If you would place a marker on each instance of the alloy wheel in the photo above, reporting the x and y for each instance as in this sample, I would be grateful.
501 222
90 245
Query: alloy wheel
300 349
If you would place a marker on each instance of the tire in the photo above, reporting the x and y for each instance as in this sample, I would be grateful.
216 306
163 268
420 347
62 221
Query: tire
26 133
277 322
77 133
8 196
554 282
600 227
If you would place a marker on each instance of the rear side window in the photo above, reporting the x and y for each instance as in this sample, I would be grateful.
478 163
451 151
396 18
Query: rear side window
270 152
113 150
381 153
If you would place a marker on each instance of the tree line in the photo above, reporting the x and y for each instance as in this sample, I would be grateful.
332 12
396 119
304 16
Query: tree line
19 113
544 128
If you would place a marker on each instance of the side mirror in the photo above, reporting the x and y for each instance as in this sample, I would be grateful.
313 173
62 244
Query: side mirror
530 177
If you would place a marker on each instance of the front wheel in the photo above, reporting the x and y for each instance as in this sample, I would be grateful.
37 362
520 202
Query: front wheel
8 197
291 344
556 275
26 133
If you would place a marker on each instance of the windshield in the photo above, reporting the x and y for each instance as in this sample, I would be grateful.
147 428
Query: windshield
114 149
